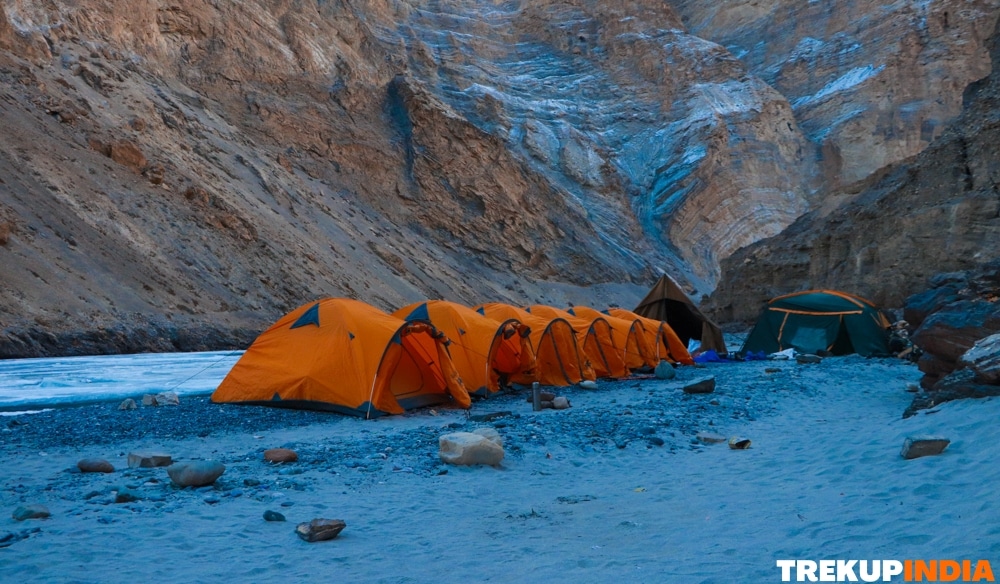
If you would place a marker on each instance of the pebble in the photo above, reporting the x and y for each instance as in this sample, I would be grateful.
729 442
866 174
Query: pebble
918 446
320 529
126 496
95 465
739 443
664 370
280 455
31 512
273 516
704 385
710 438
148 459
195 474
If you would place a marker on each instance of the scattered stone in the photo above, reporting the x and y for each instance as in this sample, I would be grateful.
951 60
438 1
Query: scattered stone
912 387
148 459
149 400
739 443
917 446
807 359
320 529
714 402
664 370
705 385
772 370
280 455
128 404
195 474
251 482
31 512
546 405
167 398
95 465
588 384
273 516
560 403
710 438
655 440
492 415
467 448
125 495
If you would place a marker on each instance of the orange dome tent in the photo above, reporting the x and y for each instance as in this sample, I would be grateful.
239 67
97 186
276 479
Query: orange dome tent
629 336
346 356
594 335
482 349
558 360
667 344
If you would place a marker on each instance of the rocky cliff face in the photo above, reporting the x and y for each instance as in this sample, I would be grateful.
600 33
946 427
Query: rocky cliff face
936 212
170 166
870 84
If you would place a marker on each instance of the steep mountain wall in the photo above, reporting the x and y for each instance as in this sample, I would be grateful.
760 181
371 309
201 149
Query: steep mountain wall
936 212
179 174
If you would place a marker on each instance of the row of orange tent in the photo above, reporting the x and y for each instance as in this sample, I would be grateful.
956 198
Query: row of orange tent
344 355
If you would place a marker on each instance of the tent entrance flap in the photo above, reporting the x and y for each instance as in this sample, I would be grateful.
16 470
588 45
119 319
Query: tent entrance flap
415 372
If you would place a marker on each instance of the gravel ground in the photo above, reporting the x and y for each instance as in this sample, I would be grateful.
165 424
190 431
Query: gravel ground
637 412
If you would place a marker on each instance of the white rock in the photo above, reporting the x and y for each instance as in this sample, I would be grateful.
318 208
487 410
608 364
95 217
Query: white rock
588 384
560 403
167 398
490 434
467 448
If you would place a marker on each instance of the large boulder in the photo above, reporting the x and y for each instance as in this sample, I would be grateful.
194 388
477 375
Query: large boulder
468 448
984 359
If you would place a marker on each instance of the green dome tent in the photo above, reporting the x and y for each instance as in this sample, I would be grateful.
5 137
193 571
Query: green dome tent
820 320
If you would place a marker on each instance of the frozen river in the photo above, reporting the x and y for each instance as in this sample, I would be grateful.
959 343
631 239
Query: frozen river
33 383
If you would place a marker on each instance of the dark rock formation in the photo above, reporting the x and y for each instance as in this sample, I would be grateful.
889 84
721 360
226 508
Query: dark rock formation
936 212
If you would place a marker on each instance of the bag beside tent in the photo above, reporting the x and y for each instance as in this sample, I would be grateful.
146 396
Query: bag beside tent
820 320
594 335
558 360
629 335
667 345
345 356
667 302
483 350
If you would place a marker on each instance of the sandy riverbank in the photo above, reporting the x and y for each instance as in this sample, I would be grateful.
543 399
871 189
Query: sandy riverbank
614 489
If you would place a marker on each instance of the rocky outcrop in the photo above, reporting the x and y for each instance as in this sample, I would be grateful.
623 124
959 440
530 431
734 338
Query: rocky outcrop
870 85
937 212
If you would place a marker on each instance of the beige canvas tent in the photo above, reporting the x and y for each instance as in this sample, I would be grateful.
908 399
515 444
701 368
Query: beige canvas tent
667 302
